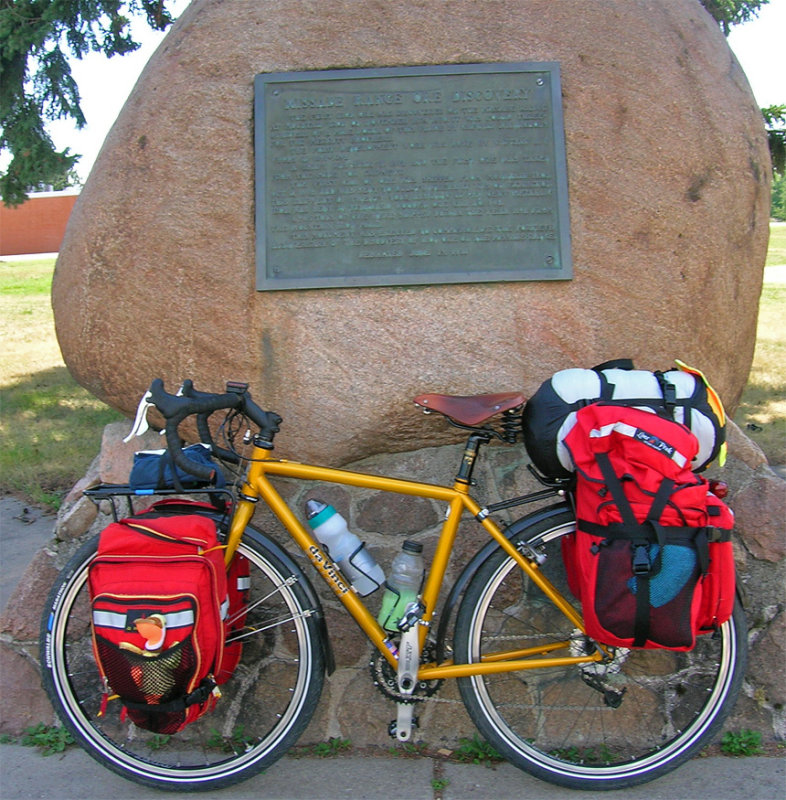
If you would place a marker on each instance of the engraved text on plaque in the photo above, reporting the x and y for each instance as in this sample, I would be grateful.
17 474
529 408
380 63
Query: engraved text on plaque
410 175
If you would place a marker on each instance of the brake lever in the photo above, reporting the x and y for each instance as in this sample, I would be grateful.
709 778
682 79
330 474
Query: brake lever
140 425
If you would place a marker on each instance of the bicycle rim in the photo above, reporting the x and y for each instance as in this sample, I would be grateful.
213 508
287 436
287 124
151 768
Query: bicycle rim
263 709
599 727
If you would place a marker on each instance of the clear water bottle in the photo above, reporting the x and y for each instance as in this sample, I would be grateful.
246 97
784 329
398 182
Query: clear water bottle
346 550
403 585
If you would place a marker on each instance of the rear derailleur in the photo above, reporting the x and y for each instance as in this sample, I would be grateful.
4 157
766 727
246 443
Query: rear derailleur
601 675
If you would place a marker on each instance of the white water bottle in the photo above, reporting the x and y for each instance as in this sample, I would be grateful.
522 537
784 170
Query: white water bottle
344 548
403 585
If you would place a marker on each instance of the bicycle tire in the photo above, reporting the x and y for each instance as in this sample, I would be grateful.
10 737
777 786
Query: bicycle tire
264 707
551 722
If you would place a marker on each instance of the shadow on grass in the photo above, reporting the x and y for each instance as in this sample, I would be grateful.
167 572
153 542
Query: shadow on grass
50 432
761 415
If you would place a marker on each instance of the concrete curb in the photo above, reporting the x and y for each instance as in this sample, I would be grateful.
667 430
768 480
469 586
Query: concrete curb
26 775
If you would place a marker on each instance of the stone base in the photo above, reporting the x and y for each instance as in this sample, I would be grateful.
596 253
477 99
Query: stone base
352 708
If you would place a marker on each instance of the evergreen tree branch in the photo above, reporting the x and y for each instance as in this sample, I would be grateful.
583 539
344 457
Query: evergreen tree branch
36 85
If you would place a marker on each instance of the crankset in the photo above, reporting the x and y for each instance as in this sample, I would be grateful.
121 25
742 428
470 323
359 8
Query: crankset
386 680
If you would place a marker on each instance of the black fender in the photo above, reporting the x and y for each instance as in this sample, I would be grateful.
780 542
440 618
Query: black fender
480 558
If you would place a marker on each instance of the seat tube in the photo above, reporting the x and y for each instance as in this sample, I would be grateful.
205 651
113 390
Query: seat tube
436 572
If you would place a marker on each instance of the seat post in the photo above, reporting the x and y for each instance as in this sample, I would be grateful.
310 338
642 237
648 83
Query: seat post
470 456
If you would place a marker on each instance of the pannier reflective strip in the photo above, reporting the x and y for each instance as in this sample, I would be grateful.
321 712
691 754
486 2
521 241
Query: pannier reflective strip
225 608
111 619
655 442
243 584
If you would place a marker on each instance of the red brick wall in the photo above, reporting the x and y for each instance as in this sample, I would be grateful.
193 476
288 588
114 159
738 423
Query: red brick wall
36 226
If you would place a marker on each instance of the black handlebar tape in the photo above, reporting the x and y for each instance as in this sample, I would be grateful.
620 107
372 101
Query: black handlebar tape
267 421
205 434
175 409
171 405
201 471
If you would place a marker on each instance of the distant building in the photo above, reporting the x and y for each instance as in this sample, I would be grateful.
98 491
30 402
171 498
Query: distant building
37 225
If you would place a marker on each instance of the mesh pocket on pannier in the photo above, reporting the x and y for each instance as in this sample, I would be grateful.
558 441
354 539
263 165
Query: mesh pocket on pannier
153 680
672 581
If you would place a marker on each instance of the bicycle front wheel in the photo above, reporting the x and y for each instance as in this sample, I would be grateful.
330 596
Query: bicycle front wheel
264 707
597 726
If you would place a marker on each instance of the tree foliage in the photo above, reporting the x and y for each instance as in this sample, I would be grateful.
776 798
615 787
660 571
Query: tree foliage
779 197
775 123
36 85
728 13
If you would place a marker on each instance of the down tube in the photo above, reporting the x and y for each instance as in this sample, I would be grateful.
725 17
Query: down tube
311 548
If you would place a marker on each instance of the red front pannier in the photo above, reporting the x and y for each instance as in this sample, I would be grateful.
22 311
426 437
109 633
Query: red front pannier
158 588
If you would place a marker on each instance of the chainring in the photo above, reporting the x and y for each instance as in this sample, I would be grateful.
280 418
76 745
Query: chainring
386 680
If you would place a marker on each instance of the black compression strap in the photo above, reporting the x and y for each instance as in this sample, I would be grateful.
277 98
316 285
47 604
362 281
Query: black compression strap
641 624
642 567
615 487
619 530
199 695
669 392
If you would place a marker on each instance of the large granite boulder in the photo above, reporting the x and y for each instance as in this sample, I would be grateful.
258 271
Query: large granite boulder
668 173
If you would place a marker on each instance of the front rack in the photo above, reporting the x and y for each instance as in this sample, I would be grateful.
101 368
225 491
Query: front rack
220 499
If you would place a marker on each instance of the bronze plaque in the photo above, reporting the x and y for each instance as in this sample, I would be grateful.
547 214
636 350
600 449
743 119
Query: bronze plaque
410 175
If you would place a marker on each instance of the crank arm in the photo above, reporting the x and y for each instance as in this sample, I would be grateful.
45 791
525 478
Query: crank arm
404 721
407 676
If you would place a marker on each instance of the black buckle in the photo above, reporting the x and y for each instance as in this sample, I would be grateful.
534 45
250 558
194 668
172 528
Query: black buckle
641 560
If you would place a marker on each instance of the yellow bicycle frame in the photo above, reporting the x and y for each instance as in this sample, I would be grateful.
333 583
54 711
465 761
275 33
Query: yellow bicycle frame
257 485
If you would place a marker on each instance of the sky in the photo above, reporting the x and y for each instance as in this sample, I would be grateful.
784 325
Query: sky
104 84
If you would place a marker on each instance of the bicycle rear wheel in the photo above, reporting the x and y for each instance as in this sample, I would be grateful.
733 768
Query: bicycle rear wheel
264 707
598 726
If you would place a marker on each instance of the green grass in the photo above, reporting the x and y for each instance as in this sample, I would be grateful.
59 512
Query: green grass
762 410
741 743
776 251
50 428
476 751
331 748
48 739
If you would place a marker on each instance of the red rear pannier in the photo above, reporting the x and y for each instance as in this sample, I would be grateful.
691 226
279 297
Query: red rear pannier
651 560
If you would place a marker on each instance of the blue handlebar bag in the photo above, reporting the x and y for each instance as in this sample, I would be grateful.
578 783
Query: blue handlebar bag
153 469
